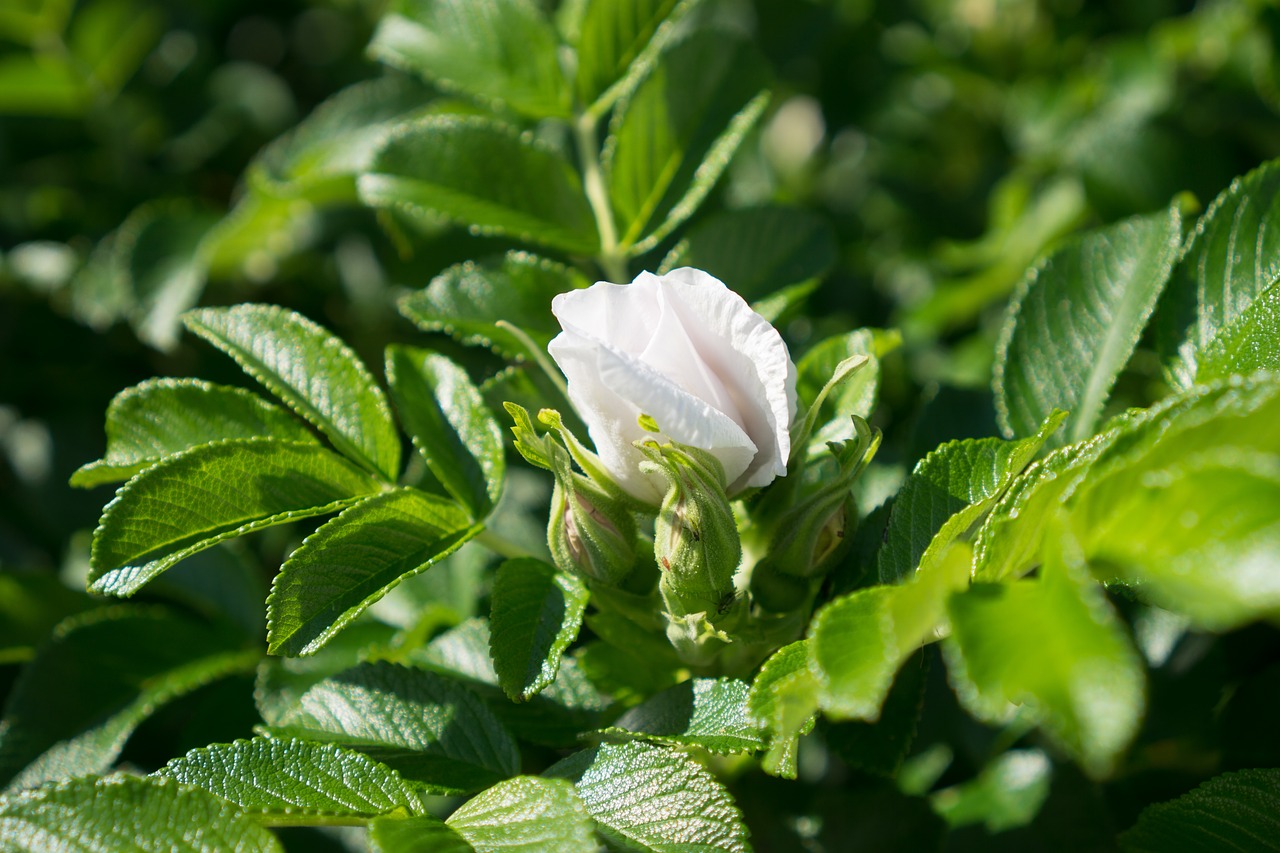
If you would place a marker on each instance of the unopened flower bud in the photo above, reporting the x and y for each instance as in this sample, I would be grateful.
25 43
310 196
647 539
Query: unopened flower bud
590 534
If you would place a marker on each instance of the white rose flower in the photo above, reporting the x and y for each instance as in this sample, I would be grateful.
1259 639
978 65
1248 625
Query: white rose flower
690 353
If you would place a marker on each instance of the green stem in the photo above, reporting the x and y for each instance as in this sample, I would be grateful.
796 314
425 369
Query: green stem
612 258
502 546
539 356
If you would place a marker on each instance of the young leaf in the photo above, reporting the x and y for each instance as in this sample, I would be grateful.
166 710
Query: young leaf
467 300
652 799
504 52
617 42
420 834
1234 811
314 373
784 700
429 728
537 612
293 782
1054 646
126 813
197 498
450 425
1074 322
710 713
122 663
354 560
671 140
483 174
161 417
858 395
1232 257
1250 343
526 814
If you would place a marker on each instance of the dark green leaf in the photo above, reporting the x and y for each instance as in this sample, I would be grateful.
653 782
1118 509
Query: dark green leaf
1251 342
504 52
31 604
1074 323
707 712
450 425
212 492
110 38
483 174
356 559
617 42
420 834
161 417
537 612
314 373
1235 811
526 814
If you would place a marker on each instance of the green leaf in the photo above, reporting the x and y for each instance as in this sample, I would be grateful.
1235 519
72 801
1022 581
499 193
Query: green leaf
710 713
161 417
467 301
1008 793
292 781
674 136
617 43
110 39
757 251
429 728
126 813
784 699
881 747
1075 321
1054 646
1251 342
450 425
313 372
1234 811
420 834
526 814
199 497
39 87
1232 257
503 52
537 612
647 798
101 674
858 395
31 604
354 560
483 174
952 486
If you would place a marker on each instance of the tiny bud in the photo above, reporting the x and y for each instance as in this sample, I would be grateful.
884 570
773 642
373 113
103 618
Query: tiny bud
590 533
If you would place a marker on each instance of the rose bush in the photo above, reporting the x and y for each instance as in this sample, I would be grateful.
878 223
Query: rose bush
691 354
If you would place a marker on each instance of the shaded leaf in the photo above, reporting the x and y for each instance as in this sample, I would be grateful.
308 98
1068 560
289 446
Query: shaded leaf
1234 811
617 42
420 834
536 614
710 713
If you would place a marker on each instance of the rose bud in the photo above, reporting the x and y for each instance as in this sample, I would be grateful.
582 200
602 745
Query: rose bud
590 534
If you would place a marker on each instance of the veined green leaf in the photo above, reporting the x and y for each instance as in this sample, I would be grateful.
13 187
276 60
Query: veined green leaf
450 425
710 713
354 560
526 814
618 41
483 174
122 663
1250 343
536 614
1075 320
313 372
161 417
212 492
652 799
1053 646
419 834
284 782
116 813
467 300
431 729
784 700
1234 811
673 137
504 52
1232 257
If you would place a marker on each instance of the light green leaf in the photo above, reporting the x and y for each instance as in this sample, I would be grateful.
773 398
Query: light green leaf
483 174
858 395
126 813
1251 342
617 42
881 747
536 614
450 425
1054 646
467 300
1007 793
429 728
674 136
212 492
784 700
124 662
710 713
161 417
1075 321
354 560
526 814
420 834
646 798
503 52
285 782
1231 258
40 87
757 251
313 372
1234 811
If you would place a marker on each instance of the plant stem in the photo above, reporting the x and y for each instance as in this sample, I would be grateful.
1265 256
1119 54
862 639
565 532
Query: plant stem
502 546
611 258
